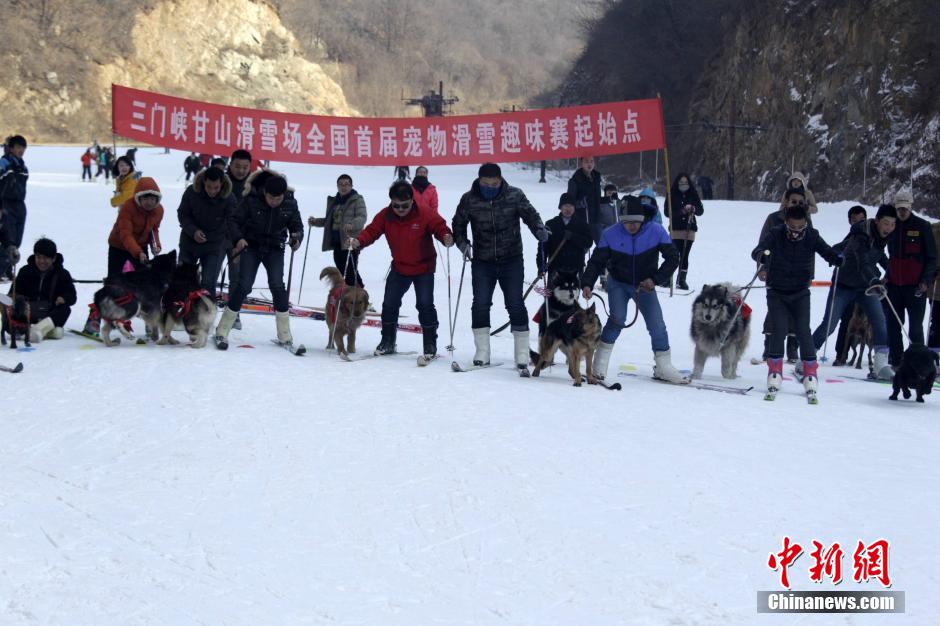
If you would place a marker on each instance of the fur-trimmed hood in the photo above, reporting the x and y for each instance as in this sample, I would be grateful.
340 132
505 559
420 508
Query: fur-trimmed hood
200 179
146 185
254 184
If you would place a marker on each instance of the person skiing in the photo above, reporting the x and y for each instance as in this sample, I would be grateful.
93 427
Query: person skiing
48 288
798 181
684 225
125 182
859 277
856 213
13 178
565 229
492 209
913 261
239 167
585 187
788 254
266 218
424 191
346 216
408 227
630 251
206 213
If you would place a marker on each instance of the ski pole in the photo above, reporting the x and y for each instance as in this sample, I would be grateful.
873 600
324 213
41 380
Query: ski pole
832 306
453 325
545 286
303 269
747 290
290 273
450 321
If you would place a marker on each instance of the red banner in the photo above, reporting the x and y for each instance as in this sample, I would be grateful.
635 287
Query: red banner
598 129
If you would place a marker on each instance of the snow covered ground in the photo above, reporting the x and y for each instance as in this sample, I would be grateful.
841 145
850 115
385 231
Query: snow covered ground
150 485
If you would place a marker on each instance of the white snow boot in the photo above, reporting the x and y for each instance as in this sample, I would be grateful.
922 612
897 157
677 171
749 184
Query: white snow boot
224 328
282 319
481 339
41 329
57 333
882 370
520 342
664 370
601 359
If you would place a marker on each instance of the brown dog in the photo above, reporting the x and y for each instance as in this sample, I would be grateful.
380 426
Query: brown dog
345 311
577 335
858 336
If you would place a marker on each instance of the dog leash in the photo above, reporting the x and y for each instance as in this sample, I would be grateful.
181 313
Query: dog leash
880 292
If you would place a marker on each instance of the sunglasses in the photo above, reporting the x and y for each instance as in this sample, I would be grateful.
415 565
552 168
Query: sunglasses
400 205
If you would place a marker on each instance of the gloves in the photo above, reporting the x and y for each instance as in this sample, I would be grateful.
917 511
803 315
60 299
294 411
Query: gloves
14 253
465 247
840 260
542 234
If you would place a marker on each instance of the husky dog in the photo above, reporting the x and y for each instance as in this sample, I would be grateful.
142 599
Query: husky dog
574 330
345 311
138 293
187 302
712 314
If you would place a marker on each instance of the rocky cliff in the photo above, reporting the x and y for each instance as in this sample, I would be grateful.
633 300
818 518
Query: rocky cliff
844 90
59 59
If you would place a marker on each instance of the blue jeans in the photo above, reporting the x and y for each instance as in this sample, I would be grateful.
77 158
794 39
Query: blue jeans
844 297
210 264
251 259
619 296
509 274
397 285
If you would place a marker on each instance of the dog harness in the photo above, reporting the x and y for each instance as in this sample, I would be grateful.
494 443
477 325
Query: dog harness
181 308
332 302
745 309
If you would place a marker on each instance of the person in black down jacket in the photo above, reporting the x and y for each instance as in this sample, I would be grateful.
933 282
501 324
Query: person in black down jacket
266 218
206 214
790 268
585 187
49 290
684 226
568 229
492 208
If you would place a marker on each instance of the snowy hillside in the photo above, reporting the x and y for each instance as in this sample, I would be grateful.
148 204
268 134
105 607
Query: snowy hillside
152 485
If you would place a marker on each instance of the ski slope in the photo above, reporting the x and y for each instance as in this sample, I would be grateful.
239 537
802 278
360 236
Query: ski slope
157 485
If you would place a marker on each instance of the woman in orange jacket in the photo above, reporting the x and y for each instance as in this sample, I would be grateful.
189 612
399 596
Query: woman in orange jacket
137 226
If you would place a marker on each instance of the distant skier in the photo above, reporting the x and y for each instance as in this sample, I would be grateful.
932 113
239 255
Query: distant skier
86 165
191 165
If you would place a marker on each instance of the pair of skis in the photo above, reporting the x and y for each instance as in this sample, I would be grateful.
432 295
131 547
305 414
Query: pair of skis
523 373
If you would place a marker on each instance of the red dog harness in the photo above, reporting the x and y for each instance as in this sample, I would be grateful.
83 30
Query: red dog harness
332 302
745 309
181 308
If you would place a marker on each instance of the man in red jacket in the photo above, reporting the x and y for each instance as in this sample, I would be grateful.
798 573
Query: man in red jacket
408 229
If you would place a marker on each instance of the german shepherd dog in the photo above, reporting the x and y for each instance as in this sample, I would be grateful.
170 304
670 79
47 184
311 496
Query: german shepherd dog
574 330
858 336
345 311
15 313
712 314
186 301
918 371
138 293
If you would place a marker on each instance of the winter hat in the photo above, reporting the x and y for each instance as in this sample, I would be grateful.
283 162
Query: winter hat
631 210
275 186
45 247
903 199
490 170
146 186
565 199
648 193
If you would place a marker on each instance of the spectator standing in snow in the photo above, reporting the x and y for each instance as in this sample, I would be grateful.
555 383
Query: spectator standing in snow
125 181
585 187
346 216
425 193
13 178
206 214
684 225
575 234
797 180
856 214
492 209
86 166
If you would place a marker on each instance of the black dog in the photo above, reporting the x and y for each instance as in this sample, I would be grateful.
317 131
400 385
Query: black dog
918 371
562 302
15 313
138 293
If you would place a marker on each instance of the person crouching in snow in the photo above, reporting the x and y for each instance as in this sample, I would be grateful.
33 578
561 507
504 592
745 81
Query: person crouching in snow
137 227
408 228
789 270
266 217
48 288
629 251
